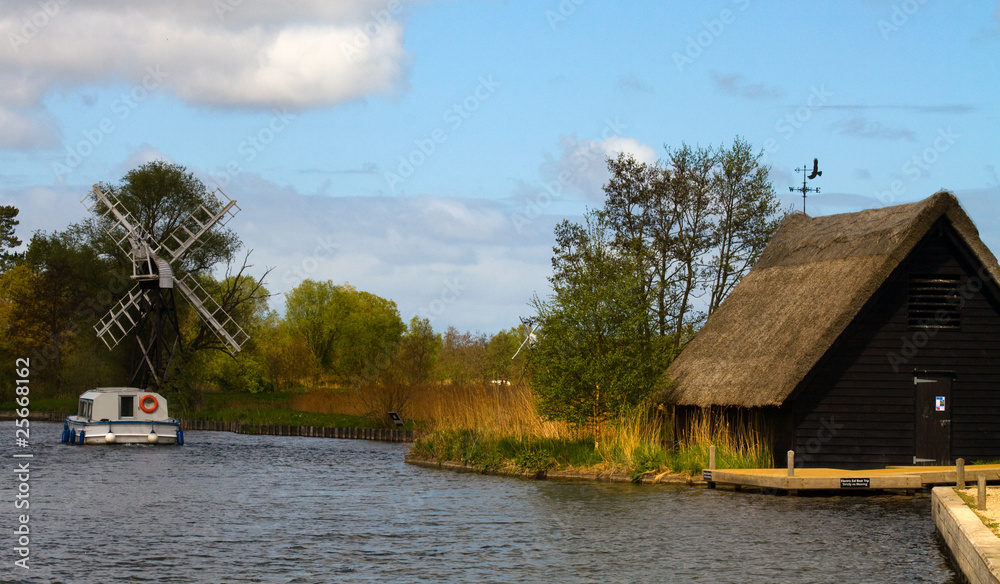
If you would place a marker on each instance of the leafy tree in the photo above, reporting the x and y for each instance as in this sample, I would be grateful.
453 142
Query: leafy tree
501 363
49 302
632 283
693 224
8 241
158 197
745 209
462 357
351 334
418 352
286 355
595 357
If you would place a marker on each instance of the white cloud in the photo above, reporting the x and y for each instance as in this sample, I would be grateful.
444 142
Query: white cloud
223 53
456 261
27 131
581 167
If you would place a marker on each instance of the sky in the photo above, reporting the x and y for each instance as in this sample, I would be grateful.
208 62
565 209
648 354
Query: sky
424 151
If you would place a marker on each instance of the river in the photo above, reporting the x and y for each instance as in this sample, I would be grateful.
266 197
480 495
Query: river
238 508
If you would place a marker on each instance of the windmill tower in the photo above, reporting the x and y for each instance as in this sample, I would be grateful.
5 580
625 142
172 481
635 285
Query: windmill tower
147 312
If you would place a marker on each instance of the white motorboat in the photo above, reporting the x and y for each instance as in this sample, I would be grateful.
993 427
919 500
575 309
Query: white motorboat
122 415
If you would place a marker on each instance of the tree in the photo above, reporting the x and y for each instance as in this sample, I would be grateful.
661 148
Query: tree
746 209
50 300
596 356
7 239
693 225
501 363
462 357
158 197
418 352
286 355
351 334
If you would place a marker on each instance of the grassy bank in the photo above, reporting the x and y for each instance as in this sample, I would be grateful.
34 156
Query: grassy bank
268 409
503 434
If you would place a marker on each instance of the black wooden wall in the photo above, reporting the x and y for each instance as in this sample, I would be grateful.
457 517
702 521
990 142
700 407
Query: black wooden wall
856 408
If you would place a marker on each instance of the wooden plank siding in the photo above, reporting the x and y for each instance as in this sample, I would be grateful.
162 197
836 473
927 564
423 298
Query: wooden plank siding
856 409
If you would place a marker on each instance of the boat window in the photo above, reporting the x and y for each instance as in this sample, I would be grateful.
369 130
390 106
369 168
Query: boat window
86 409
126 406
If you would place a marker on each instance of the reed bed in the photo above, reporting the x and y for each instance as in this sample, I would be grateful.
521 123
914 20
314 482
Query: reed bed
495 427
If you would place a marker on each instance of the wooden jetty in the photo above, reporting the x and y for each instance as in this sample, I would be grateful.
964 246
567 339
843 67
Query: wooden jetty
908 478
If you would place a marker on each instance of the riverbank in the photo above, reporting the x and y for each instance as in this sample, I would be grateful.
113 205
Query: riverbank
649 478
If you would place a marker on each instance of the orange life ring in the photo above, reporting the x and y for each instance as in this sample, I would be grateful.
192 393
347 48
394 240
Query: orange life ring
148 409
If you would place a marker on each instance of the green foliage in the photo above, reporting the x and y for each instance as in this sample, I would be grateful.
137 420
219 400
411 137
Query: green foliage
693 225
49 300
159 195
352 334
597 356
286 356
7 239
490 453
462 358
417 354
265 409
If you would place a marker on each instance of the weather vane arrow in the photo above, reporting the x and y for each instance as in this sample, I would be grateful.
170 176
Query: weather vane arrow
804 189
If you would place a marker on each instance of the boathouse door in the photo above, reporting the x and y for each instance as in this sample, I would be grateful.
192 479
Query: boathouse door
933 419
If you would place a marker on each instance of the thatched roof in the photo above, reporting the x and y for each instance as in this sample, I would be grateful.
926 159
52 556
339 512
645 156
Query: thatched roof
810 283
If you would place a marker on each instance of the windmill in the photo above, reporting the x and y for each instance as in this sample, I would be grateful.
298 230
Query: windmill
147 311
530 340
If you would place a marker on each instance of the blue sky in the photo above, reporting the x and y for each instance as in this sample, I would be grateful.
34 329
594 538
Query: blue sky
415 149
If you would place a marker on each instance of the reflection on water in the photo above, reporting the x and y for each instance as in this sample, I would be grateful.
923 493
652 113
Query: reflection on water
236 508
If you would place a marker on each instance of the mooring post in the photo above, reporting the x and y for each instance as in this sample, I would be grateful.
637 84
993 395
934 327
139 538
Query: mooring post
981 502
711 466
960 473
791 463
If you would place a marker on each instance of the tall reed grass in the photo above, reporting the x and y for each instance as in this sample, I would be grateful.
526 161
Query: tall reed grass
496 427
740 441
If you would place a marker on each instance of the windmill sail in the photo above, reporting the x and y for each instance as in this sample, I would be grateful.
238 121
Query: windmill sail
196 224
228 330
122 318
148 308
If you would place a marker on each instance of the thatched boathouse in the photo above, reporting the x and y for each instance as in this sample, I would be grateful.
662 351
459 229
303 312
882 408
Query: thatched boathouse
859 340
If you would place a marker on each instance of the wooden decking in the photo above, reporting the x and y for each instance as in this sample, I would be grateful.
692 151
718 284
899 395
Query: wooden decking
908 478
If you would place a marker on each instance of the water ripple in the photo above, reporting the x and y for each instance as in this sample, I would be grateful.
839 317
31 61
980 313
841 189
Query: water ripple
231 508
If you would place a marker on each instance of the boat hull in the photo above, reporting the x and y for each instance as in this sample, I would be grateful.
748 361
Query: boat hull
77 431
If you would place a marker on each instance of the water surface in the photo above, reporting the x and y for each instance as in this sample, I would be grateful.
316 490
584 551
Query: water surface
237 508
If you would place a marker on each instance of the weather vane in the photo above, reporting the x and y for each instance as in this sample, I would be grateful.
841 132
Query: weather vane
804 189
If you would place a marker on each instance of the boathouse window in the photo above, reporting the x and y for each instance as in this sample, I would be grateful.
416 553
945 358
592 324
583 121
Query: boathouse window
126 406
934 302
